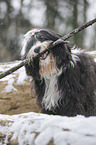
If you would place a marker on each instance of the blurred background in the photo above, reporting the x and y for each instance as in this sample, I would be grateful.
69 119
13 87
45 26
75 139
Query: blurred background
19 16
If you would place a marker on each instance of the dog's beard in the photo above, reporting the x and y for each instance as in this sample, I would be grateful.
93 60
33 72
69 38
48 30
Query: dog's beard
48 65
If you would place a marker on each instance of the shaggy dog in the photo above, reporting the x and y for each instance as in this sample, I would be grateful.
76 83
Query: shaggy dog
65 79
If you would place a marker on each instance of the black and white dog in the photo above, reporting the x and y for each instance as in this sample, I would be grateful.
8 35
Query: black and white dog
65 79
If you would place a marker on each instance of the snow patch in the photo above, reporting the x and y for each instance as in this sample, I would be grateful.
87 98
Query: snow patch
10 86
36 128
17 77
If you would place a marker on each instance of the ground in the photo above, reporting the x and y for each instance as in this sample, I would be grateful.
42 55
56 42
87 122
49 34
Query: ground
17 101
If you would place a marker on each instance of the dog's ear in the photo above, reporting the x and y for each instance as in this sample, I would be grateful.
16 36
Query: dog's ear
62 54
68 51
63 50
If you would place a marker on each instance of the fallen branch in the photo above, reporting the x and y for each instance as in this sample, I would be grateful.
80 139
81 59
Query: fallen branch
10 71
61 40
75 31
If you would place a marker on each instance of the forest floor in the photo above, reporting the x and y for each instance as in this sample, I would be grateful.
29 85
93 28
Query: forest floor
20 100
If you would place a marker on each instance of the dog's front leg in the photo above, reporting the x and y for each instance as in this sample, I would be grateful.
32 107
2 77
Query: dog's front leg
32 69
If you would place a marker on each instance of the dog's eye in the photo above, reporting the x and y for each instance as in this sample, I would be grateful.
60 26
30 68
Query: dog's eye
37 50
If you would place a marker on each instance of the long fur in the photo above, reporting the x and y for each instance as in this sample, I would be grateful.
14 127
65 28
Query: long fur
65 79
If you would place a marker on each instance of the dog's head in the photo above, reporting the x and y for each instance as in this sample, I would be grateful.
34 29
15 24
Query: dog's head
38 40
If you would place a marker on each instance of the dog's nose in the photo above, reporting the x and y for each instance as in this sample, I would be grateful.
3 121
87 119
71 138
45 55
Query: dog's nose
37 50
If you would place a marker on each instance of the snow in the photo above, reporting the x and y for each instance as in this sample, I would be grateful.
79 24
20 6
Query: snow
10 86
42 129
37 128
11 79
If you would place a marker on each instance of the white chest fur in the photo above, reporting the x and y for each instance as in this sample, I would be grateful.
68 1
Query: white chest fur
52 95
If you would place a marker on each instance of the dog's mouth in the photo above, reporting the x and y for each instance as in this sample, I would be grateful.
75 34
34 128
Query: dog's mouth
44 56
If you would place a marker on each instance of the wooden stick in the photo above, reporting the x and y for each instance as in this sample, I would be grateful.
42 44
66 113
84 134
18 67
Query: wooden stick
75 31
9 71
61 40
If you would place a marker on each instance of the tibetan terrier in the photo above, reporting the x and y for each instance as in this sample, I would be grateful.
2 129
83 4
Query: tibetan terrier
64 79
